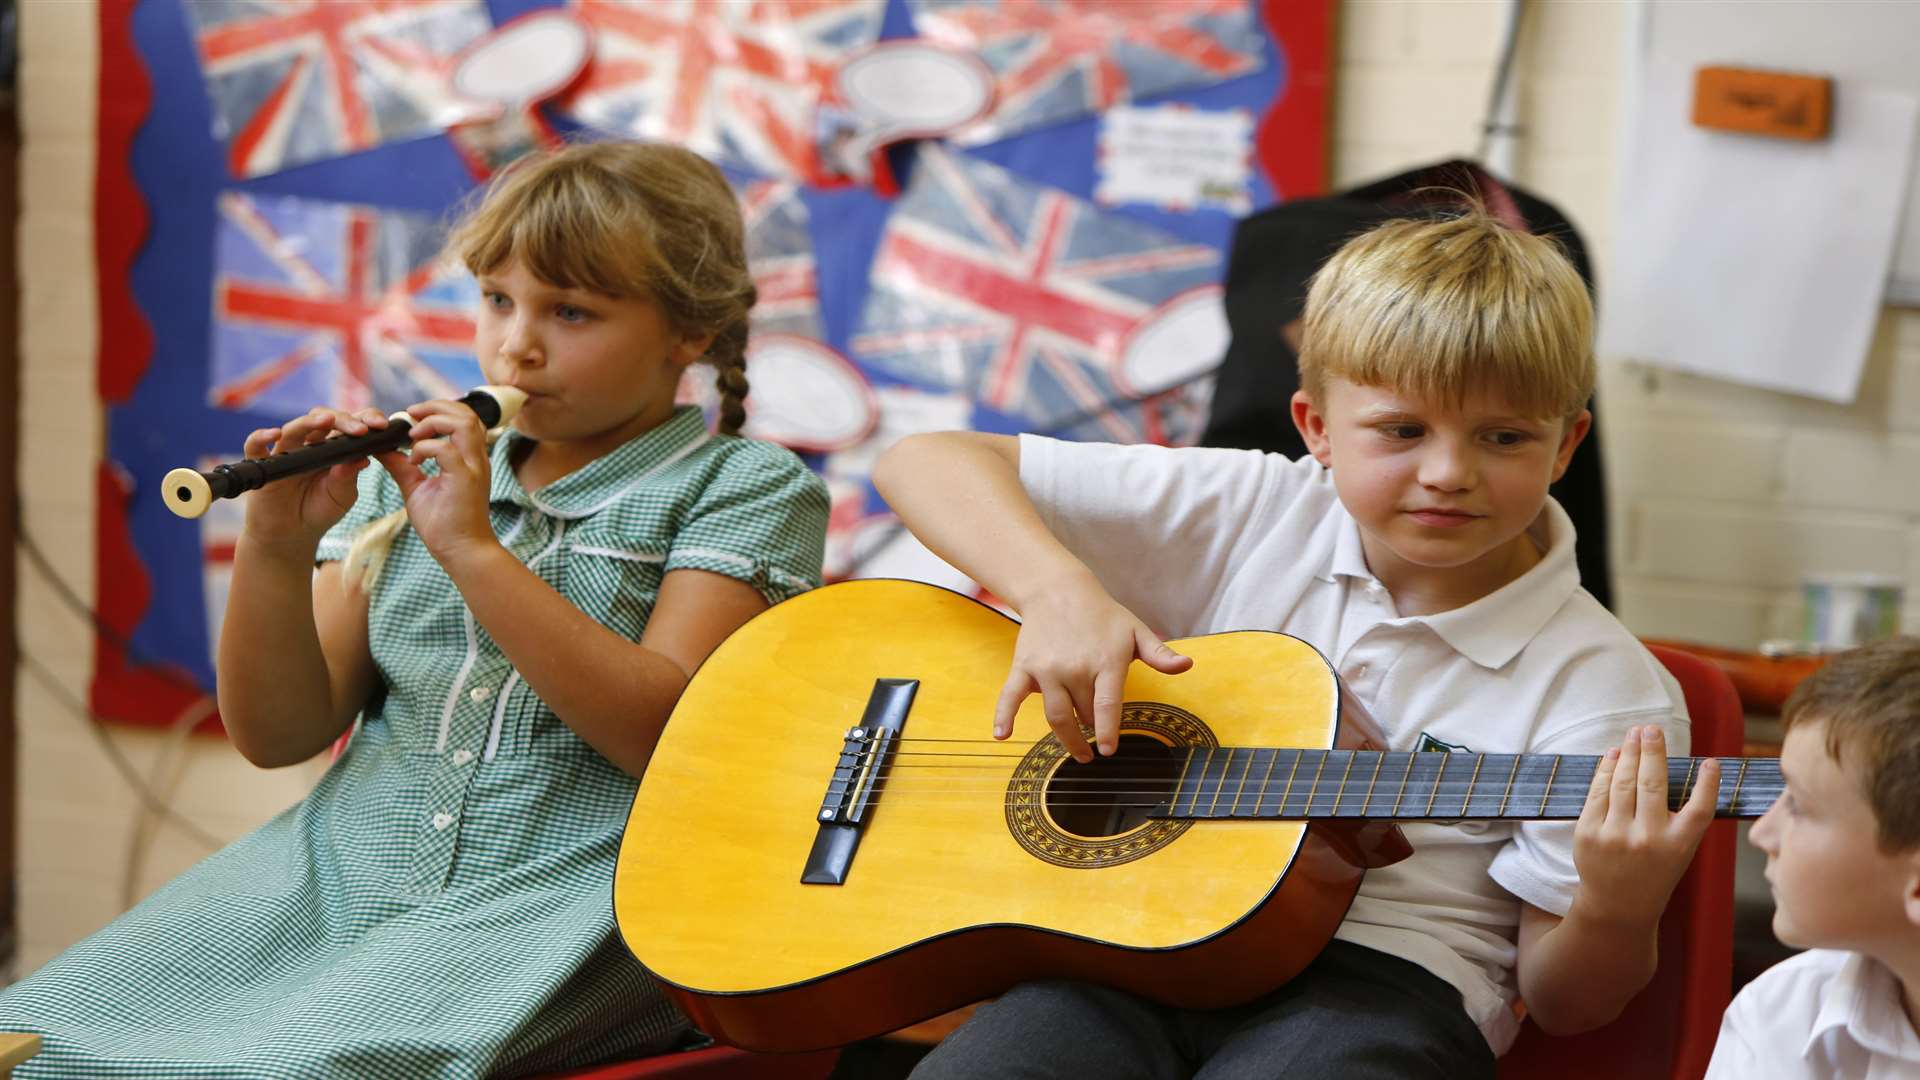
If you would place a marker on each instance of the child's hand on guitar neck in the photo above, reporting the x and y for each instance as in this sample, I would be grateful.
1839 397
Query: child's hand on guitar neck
1628 847
1076 643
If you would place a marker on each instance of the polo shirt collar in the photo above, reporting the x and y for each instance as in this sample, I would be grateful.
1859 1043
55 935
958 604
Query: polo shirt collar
1493 629
605 479
1863 1000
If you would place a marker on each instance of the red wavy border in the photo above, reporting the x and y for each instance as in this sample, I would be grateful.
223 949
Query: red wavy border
121 691
119 211
1291 140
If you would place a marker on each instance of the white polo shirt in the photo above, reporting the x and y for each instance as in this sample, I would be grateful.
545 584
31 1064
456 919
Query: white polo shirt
1823 1013
1198 541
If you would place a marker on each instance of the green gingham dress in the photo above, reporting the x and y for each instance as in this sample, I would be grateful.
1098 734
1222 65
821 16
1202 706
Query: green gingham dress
441 904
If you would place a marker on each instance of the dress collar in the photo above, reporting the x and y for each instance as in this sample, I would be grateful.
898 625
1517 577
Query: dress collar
601 481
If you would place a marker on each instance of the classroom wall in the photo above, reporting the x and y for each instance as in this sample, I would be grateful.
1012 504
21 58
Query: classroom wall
1723 496
86 847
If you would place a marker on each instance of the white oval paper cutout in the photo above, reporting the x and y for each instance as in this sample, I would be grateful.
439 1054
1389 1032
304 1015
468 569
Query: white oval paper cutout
804 395
528 59
1183 339
913 88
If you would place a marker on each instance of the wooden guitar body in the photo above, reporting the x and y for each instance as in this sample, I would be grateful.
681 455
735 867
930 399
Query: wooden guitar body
971 867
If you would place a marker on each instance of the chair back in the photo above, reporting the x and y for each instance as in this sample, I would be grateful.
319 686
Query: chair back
1668 1030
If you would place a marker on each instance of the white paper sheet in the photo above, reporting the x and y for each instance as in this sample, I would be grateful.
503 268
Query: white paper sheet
1757 260
1175 157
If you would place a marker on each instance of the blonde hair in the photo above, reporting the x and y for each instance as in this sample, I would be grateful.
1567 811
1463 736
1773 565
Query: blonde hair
1869 700
623 219
1441 308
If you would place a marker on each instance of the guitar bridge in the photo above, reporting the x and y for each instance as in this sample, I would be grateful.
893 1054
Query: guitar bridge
853 788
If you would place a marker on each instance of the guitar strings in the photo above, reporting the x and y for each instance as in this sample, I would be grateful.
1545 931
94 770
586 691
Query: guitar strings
1522 791
1523 795
1350 806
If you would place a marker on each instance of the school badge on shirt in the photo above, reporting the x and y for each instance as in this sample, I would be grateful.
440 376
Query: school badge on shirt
1429 744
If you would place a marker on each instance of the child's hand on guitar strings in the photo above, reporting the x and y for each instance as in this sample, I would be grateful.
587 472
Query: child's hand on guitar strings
1629 849
1075 645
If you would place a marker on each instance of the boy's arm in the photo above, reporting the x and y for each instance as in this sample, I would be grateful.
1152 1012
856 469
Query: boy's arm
960 494
1579 971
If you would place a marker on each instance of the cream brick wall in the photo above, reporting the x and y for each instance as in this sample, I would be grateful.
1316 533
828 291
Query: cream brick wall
1722 496
85 846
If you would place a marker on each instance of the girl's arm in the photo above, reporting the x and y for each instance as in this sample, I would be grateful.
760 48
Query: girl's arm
294 664
613 693
960 493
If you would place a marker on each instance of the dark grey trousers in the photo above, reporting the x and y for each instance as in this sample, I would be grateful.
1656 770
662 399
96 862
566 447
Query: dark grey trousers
1354 1014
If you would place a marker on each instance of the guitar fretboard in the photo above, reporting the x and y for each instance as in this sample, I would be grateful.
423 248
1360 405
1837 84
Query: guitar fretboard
1249 782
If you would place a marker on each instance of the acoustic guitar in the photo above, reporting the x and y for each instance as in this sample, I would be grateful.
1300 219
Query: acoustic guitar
827 845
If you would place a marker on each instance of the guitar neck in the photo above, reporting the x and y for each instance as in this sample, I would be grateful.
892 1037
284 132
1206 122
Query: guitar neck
1265 783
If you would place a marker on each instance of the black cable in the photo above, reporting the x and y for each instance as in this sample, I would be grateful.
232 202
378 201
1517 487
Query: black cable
1503 74
73 600
95 724
97 728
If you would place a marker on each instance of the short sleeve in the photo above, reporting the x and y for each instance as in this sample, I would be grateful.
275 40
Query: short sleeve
762 520
376 497
1124 510
1537 864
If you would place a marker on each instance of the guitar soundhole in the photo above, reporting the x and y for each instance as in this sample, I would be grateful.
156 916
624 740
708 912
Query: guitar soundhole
1110 796
1056 809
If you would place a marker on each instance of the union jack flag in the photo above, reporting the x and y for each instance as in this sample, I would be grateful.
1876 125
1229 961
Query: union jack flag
1055 60
300 80
738 82
855 522
1023 297
338 303
780 254
780 257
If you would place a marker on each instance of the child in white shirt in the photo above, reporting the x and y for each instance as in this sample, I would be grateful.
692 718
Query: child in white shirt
1445 369
1843 858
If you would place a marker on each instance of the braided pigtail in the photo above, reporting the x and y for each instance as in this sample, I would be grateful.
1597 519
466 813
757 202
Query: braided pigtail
729 355
367 555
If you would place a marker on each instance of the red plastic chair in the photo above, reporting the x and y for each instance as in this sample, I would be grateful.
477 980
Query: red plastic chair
1668 1031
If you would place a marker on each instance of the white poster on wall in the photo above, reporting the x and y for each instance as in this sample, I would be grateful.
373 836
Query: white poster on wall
1175 157
1759 260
